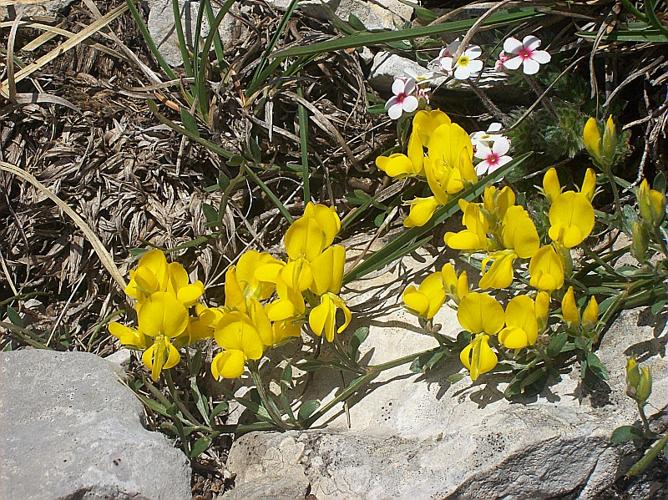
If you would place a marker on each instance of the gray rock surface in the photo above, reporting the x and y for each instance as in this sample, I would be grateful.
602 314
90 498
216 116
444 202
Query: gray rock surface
162 30
420 436
71 430
377 15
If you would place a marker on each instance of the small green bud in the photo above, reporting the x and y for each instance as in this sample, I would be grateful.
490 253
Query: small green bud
639 241
632 377
609 141
644 387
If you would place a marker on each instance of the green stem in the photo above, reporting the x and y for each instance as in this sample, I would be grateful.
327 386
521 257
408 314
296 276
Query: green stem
649 457
643 417
264 396
175 397
607 170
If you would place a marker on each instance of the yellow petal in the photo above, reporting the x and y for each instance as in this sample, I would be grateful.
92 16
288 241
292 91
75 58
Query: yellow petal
478 357
322 318
589 184
609 139
128 336
397 165
228 364
542 309
327 219
162 314
551 186
425 122
519 232
347 315
234 295
190 294
416 153
236 331
520 314
305 238
329 270
512 337
421 212
261 322
480 312
416 301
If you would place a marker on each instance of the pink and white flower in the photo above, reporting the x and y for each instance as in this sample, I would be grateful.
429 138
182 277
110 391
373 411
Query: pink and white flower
466 66
492 158
525 54
484 138
404 99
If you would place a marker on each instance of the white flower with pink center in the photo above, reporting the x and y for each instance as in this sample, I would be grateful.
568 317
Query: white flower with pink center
492 158
525 54
404 99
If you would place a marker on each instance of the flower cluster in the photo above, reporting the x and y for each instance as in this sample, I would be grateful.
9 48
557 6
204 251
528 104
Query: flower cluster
491 148
504 234
266 300
439 152
164 299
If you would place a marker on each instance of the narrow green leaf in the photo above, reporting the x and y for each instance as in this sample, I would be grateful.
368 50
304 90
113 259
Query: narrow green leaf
211 214
15 317
557 343
357 339
277 203
365 39
302 114
596 366
456 377
221 407
189 121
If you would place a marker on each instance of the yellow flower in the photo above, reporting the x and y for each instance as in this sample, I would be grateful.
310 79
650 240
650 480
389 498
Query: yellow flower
571 219
480 313
478 357
474 237
427 299
449 163
455 286
154 274
652 204
163 318
569 309
521 323
241 341
309 235
421 212
546 269
638 381
322 317
500 273
551 186
327 270
130 337
202 325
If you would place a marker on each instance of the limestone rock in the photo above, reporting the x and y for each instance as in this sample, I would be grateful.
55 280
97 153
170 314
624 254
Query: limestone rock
318 9
378 15
70 429
162 30
421 436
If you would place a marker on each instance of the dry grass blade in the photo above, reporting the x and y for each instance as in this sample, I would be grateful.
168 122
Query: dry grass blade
106 259
65 46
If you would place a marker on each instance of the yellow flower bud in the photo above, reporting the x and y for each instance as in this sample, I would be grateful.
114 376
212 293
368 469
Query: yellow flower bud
590 314
644 387
652 204
632 374
569 309
609 140
542 309
591 136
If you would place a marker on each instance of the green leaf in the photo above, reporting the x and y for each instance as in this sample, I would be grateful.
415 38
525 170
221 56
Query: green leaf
356 340
365 39
656 308
286 376
200 446
557 343
660 182
221 407
625 433
14 317
596 366
456 377
355 22
210 213
307 408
